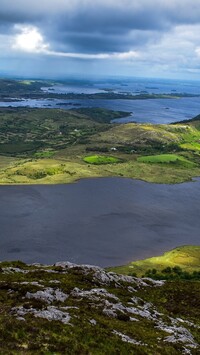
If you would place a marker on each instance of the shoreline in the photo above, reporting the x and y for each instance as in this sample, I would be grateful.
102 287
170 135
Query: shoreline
192 180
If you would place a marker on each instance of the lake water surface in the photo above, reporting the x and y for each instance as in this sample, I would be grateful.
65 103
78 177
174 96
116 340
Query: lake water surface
106 221
151 110
155 111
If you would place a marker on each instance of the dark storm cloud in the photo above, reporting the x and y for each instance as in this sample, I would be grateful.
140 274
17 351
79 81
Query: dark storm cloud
99 25
99 43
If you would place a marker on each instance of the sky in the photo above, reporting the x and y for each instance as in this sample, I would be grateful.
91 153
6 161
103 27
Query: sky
61 38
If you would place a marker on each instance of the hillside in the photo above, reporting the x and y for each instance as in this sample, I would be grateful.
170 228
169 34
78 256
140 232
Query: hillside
72 309
45 146
185 257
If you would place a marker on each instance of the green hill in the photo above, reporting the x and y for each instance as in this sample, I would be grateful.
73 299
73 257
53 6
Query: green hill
185 257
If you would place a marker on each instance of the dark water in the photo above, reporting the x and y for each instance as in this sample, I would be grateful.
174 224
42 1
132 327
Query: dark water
107 221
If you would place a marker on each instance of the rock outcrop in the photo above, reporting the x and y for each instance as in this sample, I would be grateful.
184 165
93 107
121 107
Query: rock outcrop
72 309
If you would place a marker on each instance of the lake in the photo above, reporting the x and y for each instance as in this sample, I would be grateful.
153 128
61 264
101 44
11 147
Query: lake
105 221
152 111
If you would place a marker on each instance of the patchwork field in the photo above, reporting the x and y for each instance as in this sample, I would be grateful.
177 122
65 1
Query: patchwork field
61 146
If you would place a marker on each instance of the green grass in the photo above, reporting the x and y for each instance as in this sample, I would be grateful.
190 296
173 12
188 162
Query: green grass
68 167
47 171
186 257
165 159
44 154
194 146
101 159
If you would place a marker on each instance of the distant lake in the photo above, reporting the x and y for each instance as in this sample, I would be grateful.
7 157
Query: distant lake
126 84
151 110
106 221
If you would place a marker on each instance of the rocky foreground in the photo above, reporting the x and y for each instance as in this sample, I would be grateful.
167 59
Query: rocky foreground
73 309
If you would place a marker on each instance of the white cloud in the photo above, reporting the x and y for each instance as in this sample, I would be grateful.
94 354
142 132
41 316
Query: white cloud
177 49
29 39
126 55
197 50
121 56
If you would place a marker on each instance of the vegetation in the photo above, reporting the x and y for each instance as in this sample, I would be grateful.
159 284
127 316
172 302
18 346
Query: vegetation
175 273
185 258
102 115
20 89
166 159
101 159
26 131
44 154
35 142
73 309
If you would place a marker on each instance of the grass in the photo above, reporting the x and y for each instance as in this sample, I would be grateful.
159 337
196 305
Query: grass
194 146
44 154
166 159
47 171
100 159
72 168
6 162
185 257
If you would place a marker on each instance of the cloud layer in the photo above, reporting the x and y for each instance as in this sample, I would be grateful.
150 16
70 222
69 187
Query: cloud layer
152 35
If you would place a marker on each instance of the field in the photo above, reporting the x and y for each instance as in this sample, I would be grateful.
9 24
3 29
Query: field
101 159
61 146
166 159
